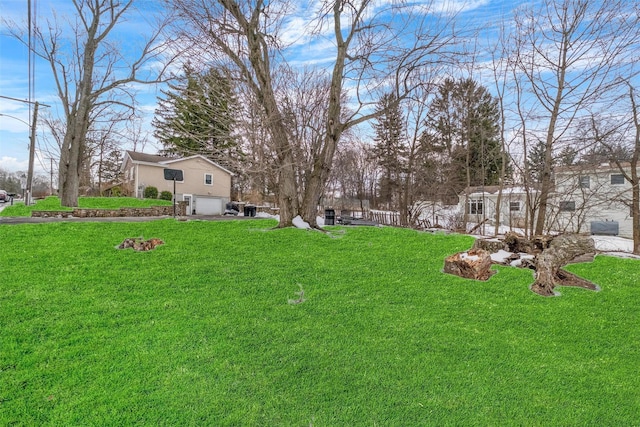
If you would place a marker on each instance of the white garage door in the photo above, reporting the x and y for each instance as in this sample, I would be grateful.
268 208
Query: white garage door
209 206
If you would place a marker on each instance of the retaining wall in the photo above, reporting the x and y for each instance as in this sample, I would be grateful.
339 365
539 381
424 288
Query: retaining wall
181 210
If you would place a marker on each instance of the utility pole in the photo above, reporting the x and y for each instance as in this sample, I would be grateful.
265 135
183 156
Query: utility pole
51 177
32 152
32 144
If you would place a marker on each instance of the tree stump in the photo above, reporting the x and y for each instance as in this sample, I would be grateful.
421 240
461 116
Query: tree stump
551 254
561 251
489 245
474 264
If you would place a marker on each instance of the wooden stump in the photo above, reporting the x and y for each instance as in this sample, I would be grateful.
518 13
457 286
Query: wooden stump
474 264
489 245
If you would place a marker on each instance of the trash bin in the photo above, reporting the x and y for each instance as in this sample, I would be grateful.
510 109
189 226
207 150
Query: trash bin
231 209
249 210
329 217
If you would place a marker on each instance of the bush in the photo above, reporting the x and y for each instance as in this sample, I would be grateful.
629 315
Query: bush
151 192
166 195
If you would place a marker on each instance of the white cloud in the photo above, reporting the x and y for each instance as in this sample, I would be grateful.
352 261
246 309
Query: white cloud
12 164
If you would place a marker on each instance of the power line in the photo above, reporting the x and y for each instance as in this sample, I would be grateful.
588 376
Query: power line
23 100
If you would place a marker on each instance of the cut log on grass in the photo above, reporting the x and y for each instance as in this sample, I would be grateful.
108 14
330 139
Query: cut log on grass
139 244
561 251
474 264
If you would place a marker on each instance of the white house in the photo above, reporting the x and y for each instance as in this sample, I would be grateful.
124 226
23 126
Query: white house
205 185
480 203
592 199
585 199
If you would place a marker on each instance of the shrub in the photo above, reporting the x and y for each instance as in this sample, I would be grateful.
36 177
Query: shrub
151 192
166 195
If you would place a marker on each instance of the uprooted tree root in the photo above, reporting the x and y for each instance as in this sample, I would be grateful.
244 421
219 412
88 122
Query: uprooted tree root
551 254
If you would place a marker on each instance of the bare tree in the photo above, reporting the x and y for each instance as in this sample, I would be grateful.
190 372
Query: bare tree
571 53
633 176
628 163
90 70
369 56
500 68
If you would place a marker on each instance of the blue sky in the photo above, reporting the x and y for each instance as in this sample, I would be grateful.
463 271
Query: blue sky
15 116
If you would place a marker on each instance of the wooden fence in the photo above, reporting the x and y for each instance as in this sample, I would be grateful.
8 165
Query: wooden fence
394 219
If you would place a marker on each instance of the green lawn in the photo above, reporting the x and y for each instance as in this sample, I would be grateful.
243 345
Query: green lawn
200 332
52 203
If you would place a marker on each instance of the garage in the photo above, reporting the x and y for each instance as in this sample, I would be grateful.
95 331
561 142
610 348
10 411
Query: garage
209 206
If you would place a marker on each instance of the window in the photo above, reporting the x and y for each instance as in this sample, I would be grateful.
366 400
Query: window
208 179
584 181
617 179
567 206
475 207
514 206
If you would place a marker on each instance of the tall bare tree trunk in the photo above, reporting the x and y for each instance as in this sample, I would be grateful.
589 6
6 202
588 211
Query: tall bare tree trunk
635 179
73 146
334 126
287 188
546 184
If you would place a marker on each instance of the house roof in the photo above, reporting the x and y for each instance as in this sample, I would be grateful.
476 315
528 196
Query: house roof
154 159
493 189
149 158
603 167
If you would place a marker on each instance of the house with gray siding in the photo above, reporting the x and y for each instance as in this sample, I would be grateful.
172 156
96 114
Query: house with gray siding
205 185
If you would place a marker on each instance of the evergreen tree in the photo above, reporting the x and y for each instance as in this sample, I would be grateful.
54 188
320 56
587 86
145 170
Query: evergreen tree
568 155
463 128
535 162
389 149
110 168
197 117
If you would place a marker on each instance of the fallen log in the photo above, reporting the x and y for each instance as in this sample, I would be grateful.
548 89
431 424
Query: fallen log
477 226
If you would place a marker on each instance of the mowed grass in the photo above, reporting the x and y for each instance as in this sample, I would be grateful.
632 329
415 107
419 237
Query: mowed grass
52 203
200 331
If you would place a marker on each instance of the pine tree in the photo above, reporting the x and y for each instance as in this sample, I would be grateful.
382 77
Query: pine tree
389 148
535 161
110 168
197 117
463 127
